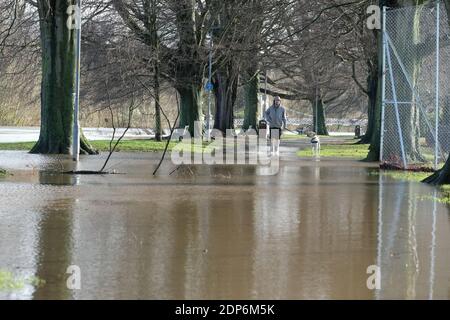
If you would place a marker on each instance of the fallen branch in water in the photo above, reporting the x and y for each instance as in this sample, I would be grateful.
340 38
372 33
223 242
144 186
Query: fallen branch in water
81 172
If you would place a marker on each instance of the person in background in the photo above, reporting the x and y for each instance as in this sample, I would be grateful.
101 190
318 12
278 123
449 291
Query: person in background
277 120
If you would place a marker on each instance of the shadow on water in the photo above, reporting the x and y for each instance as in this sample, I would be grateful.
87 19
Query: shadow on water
58 179
226 232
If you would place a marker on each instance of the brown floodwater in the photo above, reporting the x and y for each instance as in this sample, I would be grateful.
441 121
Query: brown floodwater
219 232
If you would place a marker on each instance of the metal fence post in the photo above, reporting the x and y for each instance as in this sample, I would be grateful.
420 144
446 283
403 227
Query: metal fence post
397 113
438 31
383 83
76 113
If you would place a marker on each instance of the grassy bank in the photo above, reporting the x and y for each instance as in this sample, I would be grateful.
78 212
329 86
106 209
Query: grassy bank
103 146
444 191
346 150
2 172
125 145
17 146
10 282
406 175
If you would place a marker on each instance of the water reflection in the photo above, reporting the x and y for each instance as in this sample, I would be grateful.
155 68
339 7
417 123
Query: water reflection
52 178
409 245
224 232
53 253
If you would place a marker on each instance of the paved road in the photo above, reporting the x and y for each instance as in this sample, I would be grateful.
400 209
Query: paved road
28 134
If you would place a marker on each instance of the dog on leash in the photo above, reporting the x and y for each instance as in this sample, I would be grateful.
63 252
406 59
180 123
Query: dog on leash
315 143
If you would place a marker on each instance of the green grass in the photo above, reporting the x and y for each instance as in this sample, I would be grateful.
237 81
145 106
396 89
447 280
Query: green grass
351 151
444 191
2 172
292 137
444 199
407 175
134 145
124 145
17 146
299 137
9 282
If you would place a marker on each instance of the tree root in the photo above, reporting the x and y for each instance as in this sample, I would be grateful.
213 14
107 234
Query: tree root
412 168
364 140
42 147
439 178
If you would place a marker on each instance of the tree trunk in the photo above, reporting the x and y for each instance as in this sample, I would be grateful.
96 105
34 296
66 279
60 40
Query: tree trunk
190 106
158 128
375 139
226 72
374 149
319 123
152 13
225 90
252 68
251 89
58 44
442 176
444 125
156 92
188 68
372 85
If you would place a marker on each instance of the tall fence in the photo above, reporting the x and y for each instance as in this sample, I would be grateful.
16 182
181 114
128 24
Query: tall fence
416 95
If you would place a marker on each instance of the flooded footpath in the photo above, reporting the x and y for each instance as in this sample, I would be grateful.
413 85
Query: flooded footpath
219 232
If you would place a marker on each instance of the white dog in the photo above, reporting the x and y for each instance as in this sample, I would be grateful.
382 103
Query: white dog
315 143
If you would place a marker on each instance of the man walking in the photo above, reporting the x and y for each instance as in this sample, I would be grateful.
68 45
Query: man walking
277 119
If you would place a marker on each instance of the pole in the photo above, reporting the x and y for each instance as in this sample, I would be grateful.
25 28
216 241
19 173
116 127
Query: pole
208 120
264 108
383 84
431 281
380 228
438 31
317 112
76 124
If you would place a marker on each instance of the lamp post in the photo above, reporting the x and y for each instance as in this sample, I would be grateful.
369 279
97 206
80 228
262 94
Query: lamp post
76 113
209 88
264 107
317 112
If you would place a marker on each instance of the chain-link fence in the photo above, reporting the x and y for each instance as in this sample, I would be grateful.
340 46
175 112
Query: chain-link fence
416 101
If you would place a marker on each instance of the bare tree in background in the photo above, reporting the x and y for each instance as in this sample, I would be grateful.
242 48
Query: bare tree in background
310 50
175 32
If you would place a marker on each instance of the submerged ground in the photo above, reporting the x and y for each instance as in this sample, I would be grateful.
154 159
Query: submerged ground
218 232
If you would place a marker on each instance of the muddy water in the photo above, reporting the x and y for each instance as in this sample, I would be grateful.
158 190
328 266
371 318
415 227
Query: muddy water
220 232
